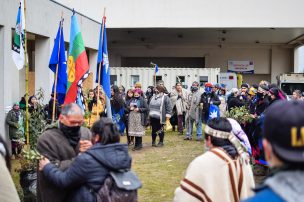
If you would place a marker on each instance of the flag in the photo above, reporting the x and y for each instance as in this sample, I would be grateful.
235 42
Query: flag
103 61
156 68
58 58
214 112
18 40
78 66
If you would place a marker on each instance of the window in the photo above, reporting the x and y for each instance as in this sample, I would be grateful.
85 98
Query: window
113 79
134 79
203 80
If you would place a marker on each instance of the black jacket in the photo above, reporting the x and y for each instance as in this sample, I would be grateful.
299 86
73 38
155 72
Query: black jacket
235 102
89 170
206 99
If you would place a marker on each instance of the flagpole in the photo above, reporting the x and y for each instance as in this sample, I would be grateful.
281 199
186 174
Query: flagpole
56 74
99 68
26 81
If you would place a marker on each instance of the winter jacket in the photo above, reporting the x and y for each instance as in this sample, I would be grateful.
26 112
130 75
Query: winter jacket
13 124
55 146
180 102
193 111
89 171
207 99
282 186
235 102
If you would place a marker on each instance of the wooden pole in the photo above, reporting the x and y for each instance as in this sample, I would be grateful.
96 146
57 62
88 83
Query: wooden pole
56 74
99 67
26 81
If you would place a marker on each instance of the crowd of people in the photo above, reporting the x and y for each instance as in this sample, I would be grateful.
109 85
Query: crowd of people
85 157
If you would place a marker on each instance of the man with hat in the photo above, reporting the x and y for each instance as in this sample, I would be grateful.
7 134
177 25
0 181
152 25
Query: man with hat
223 173
284 150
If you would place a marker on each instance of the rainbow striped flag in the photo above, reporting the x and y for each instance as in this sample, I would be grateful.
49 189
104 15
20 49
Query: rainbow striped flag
78 66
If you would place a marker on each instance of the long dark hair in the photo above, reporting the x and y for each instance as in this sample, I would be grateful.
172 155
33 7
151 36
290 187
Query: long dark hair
91 102
5 153
117 101
107 131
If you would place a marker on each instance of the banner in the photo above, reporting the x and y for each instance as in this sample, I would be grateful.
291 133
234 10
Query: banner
241 67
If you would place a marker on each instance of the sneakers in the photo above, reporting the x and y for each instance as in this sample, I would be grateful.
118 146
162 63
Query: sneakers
154 144
188 138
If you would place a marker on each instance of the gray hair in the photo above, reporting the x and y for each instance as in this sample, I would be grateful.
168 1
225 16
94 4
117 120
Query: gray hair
71 109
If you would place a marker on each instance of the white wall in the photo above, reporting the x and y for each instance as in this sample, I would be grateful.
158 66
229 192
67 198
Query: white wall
267 59
42 20
299 59
194 13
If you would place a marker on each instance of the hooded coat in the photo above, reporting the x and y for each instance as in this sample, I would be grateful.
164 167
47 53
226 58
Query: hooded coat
89 170
56 147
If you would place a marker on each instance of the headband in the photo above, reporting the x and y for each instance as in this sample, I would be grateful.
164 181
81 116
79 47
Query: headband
262 90
232 138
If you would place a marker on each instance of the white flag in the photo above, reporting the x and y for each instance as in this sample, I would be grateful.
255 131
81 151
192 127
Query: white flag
18 40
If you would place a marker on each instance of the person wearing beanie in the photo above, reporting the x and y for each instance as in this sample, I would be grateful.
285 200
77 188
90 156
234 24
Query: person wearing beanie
15 122
283 143
194 113
275 95
244 93
261 101
160 109
222 173
137 121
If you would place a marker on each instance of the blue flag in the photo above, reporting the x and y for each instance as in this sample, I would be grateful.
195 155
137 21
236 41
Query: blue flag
156 68
103 62
214 112
58 58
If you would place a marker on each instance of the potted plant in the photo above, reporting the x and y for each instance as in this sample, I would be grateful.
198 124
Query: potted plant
30 156
240 114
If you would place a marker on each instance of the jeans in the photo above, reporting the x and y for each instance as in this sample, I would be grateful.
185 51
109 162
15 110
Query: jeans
180 119
198 124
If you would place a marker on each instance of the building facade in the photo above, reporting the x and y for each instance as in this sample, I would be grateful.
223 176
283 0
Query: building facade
184 34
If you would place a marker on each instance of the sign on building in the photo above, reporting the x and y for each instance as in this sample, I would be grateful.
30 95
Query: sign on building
241 67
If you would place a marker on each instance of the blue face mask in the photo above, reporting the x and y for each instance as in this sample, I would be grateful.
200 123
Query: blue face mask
194 88
208 89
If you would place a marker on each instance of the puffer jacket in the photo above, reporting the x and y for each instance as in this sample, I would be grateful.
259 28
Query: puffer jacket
89 170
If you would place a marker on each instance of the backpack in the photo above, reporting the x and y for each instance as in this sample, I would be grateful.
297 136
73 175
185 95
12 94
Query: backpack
119 187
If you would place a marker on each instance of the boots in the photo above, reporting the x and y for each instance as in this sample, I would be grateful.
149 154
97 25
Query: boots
138 143
161 139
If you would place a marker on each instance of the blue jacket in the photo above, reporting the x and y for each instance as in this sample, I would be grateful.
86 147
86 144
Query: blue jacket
265 195
89 172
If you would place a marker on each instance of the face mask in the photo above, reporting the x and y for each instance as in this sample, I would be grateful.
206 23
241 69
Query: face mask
259 95
208 90
194 88
136 97
71 132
